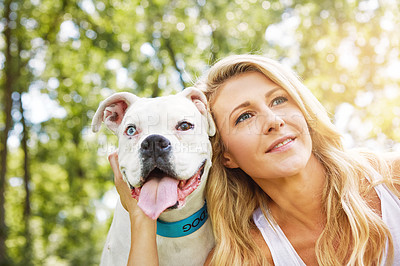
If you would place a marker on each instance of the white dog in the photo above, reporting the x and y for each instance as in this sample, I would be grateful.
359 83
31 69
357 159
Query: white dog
164 156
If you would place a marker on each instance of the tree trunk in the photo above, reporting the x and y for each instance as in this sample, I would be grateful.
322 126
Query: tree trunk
7 100
27 179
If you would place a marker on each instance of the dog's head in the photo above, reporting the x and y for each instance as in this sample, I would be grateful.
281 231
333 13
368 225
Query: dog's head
164 150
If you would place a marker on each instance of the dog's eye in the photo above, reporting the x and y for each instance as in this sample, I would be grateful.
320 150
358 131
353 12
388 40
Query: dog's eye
184 126
130 131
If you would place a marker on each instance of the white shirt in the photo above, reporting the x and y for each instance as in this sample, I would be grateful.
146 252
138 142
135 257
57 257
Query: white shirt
284 254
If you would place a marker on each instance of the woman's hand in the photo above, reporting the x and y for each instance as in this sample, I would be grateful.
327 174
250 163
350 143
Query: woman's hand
129 203
143 229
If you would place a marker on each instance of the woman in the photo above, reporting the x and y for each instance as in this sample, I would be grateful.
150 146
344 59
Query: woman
282 189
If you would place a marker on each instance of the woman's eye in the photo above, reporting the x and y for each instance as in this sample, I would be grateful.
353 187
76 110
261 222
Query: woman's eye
242 118
184 126
279 100
131 131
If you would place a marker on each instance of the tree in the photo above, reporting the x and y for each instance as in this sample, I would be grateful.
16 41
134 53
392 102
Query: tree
8 89
70 55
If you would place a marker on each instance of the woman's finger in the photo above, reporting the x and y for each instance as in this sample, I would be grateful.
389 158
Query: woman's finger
113 159
122 188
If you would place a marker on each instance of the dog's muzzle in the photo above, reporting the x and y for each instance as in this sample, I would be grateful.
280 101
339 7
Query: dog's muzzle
160 188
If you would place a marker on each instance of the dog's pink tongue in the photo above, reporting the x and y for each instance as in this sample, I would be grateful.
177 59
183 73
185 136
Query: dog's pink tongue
157 195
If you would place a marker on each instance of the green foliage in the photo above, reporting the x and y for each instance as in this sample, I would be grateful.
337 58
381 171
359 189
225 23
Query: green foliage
79 52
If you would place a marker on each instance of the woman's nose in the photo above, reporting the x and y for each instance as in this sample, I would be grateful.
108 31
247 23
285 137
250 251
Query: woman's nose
271 122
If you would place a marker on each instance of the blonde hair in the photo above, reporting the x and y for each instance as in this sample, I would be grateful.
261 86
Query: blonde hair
354 234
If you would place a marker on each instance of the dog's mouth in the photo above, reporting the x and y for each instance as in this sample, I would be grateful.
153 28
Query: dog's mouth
162 191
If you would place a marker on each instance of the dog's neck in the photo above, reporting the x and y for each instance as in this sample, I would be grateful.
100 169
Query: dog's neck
183 227
193 204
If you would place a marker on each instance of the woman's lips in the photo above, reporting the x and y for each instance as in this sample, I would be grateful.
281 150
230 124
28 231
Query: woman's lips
280 144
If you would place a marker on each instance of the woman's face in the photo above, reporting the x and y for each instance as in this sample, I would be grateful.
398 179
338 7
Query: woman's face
264 131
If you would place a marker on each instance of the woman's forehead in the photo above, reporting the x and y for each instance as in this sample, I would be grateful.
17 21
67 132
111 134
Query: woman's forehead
243 86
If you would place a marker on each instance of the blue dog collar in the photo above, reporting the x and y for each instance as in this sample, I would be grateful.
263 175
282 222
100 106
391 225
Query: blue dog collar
184 227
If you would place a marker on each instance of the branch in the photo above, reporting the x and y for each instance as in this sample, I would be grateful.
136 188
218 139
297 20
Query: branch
172 56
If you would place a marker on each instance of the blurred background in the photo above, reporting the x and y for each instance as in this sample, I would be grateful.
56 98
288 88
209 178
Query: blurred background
60 58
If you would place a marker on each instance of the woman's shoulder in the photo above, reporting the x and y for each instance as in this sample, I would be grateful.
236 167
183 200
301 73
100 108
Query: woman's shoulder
384 163
387 170
393 160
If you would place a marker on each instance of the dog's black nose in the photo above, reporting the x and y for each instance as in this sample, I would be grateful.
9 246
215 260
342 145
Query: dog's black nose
155 146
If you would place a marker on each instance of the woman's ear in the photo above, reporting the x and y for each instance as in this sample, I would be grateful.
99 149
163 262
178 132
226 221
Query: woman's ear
228 161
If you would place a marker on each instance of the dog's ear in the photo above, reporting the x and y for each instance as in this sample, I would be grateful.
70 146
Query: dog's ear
200 100
112 111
